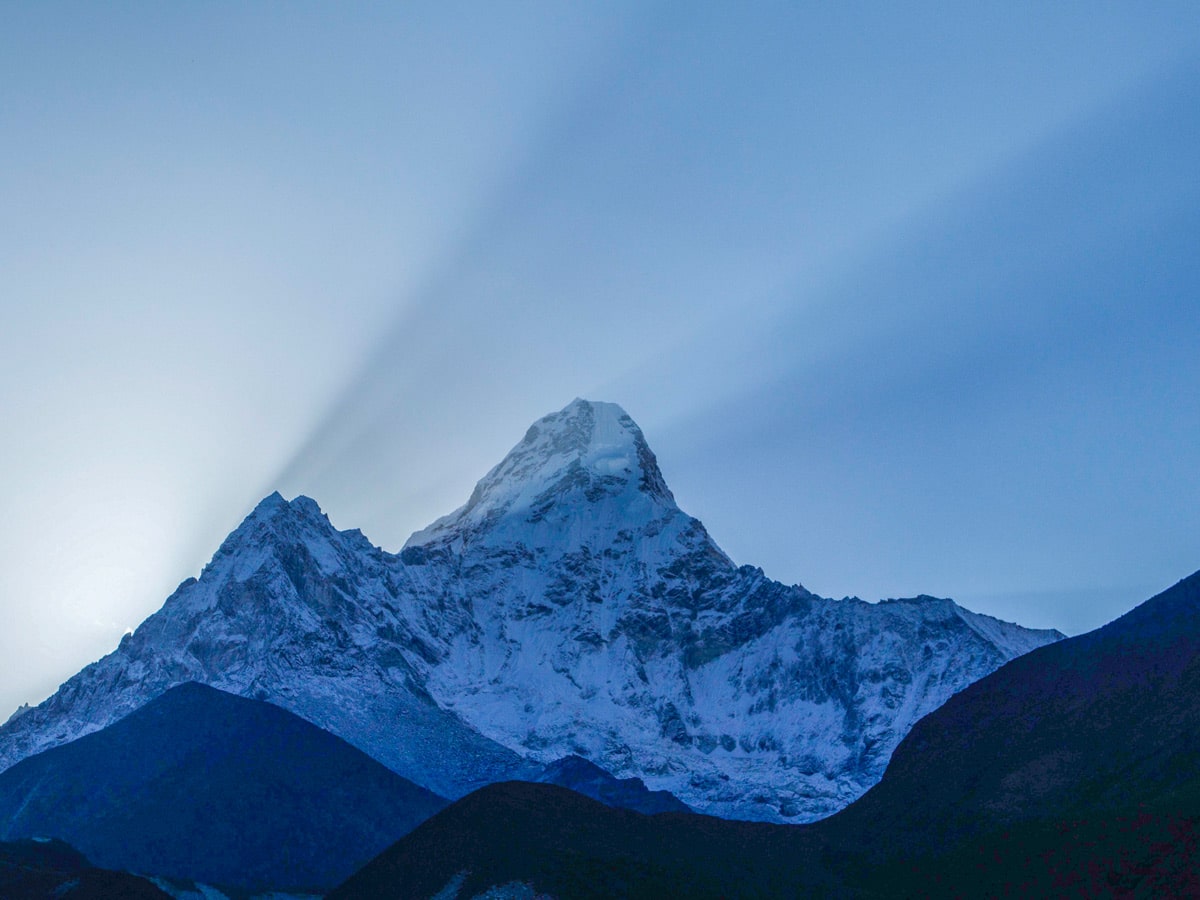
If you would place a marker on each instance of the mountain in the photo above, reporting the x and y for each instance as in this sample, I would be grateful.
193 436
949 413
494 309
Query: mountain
1096 738
49 870
589 779
1072 771
206 786
316 621
570 607
542 840
606 623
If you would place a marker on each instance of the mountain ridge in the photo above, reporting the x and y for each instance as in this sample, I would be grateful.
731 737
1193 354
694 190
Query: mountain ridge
1070 771
568 608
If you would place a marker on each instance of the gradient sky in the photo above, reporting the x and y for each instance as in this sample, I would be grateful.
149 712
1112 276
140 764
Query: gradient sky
905 297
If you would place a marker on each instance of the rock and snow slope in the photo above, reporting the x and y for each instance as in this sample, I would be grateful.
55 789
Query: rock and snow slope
314 620
570 607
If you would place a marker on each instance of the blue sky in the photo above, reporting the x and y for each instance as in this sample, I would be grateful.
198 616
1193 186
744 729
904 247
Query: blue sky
905 299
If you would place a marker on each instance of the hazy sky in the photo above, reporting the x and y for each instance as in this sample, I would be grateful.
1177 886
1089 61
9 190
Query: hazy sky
906 297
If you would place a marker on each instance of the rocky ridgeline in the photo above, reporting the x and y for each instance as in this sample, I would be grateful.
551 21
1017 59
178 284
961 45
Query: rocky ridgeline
570 608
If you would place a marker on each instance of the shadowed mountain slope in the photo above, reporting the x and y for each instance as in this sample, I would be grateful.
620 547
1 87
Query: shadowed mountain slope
567 845
1105 722
202 785
52 870
1074 770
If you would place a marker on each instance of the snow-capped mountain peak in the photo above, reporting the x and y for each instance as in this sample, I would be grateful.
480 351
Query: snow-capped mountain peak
277 526
587 454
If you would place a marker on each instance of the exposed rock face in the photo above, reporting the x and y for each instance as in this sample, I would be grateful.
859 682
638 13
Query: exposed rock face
570 607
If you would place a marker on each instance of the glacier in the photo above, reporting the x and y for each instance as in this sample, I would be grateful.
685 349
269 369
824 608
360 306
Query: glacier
569 608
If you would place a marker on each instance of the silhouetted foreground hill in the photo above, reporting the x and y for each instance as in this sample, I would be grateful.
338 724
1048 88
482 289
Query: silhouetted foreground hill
203 785
48 870
568 845
1106 721
1093 742
1073 769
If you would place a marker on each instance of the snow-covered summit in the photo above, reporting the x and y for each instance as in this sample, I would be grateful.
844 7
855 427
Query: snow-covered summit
578 513
587 454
